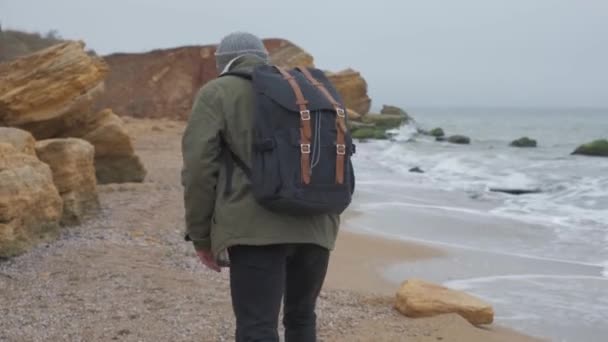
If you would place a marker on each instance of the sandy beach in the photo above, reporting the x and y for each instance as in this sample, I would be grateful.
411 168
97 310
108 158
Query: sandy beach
127 275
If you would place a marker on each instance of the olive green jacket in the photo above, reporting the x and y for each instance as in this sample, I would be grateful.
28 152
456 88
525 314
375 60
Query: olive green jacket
214 220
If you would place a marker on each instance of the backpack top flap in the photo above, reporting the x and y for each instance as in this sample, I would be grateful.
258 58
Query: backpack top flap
268 81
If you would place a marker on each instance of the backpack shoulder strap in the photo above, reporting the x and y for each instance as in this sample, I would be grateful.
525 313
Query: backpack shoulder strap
305 127
340 123
240 74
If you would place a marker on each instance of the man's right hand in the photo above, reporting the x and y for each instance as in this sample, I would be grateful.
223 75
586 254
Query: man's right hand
207 259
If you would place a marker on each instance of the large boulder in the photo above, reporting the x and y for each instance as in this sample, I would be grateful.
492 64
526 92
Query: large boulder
40 91
50 94
115 158
597 148
30 206
417 298
72 163
22 141
524 142
353 89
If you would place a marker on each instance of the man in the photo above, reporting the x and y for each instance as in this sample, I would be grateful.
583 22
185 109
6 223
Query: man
272 256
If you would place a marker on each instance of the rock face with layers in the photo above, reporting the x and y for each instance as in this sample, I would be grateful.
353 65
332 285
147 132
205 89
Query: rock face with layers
50 94
353 89
39 91
286 54
163 83
417 298
21 140
72 163
30 206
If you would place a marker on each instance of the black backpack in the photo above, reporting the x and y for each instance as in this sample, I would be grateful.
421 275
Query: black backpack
301 149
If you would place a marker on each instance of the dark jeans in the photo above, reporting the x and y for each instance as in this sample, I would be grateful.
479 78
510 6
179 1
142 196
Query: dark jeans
260 276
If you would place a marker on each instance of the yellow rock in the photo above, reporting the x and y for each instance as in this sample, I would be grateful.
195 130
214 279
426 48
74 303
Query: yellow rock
287 54
39 90
115 159
353 89
352 115
30 205
21 140
72 163
417 298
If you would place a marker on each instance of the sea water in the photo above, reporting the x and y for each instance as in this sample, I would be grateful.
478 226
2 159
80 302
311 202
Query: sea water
542 258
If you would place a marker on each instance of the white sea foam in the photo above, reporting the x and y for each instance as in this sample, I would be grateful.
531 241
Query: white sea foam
573 202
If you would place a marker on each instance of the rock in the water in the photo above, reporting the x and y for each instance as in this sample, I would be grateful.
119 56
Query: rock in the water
524 142
38 91
597 148
22 141
384 121
417 298
441 139
30 206
364 133
353 90
459 139
416 170
516 191
437 132
72 163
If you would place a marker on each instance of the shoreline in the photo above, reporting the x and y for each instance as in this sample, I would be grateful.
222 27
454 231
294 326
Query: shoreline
358 264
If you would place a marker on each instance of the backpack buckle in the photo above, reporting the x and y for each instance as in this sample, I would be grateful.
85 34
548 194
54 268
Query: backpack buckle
340 112
305 148
305 115
341 149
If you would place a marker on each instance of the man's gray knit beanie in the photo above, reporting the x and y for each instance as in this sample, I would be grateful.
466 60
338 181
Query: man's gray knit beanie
238 44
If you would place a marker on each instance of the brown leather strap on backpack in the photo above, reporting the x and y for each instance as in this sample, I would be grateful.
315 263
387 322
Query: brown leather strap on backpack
340 124
305 128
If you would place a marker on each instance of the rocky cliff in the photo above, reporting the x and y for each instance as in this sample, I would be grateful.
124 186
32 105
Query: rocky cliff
163 83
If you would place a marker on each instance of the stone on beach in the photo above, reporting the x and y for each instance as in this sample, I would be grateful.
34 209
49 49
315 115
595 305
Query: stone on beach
352 88
30 205
22 141
115 158
418 298
39 91
72 163
50 94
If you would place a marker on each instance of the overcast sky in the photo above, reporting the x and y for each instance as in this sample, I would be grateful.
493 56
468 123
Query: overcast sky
412 53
